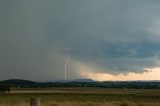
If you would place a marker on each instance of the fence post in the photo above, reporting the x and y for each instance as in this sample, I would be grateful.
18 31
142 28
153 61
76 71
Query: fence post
35 102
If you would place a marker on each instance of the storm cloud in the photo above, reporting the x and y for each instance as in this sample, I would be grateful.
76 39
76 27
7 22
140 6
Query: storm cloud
109 36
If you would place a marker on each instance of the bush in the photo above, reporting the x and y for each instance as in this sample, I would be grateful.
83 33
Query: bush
4 88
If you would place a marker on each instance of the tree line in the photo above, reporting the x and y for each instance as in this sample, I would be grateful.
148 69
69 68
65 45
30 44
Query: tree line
4 89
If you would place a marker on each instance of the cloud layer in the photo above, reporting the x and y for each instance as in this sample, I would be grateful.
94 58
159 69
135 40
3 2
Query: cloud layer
107 36
148 74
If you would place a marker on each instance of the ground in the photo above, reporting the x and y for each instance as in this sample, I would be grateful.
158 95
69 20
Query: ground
82 97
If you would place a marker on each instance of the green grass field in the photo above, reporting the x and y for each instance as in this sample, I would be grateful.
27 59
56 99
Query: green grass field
82 97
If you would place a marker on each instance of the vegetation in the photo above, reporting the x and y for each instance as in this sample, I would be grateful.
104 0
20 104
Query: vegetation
82 83
80 93
82 97
4 88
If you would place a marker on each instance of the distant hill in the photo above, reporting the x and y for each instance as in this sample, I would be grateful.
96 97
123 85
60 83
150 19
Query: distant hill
16 81
83 80
76 80
20 83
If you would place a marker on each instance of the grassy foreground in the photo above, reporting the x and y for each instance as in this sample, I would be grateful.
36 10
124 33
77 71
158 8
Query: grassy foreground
82 97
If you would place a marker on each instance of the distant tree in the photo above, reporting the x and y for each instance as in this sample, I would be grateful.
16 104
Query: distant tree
4 88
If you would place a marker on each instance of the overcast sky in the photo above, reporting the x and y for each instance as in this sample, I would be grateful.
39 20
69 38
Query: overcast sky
114 37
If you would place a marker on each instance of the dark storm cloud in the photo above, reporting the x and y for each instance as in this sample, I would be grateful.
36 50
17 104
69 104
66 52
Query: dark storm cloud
114 36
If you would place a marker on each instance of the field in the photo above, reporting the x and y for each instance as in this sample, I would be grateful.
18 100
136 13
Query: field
82 97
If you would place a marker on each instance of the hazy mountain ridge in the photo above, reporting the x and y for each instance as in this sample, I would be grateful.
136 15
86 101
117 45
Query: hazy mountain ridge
20 83
76 80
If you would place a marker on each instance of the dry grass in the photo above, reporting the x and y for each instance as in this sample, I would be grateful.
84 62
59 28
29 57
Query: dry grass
54 103
101 104
83 97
